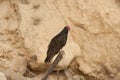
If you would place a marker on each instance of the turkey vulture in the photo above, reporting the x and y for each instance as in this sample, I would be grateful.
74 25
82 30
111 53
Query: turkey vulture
57 43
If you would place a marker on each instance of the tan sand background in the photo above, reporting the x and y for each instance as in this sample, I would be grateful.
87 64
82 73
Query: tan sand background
92 51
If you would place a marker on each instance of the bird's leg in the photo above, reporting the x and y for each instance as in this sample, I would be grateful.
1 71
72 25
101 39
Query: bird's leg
58 74
53 65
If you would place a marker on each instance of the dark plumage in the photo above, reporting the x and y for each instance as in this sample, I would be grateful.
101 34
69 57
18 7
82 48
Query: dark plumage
57 43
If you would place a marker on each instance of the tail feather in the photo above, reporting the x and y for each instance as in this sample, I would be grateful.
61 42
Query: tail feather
49 59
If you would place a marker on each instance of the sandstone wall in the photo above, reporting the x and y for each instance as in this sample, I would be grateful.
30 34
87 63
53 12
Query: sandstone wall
93 48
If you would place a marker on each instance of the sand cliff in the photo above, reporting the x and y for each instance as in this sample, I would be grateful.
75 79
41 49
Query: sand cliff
93 48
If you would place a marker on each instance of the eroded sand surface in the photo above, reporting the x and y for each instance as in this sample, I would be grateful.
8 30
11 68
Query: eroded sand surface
91 53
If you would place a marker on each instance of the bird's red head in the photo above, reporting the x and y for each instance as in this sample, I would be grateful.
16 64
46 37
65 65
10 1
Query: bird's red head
68 27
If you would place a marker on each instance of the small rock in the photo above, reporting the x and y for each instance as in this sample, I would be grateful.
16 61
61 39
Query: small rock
2 76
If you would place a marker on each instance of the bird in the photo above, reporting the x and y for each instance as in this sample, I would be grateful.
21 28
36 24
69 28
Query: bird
57 43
